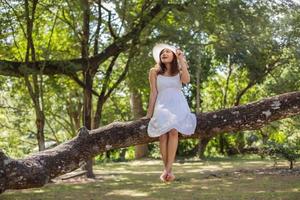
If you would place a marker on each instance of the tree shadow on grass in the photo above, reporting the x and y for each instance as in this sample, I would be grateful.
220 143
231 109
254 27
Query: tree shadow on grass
194 180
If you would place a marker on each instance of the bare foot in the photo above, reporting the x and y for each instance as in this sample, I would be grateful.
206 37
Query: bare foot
170 177
163 176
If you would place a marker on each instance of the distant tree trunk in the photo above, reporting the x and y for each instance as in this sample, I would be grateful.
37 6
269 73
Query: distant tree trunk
74 110
222 139
240 141
35 90
222 143
98 112
138 112
202 146
264 135
291 164
97 120
198 90
40 123
202 142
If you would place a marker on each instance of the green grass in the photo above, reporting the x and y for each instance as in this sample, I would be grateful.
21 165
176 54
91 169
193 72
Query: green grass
221 178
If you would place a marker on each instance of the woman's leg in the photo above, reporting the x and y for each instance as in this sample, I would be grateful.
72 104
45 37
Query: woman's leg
163 144
171 149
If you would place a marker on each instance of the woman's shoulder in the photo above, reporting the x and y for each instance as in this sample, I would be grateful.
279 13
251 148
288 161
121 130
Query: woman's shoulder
154 69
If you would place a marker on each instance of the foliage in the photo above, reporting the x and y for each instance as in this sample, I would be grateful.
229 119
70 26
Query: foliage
258 40
289 150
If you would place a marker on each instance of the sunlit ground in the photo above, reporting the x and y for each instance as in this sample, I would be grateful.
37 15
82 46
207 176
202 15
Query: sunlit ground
213 179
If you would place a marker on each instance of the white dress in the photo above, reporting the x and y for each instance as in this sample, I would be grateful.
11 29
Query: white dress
171 109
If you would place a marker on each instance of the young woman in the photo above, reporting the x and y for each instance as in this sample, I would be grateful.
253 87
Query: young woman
168 107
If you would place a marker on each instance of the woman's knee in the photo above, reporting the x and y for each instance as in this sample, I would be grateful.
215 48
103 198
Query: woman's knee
163 137
173 133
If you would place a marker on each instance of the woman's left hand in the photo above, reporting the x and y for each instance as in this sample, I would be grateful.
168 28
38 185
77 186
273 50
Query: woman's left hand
179 55
181 59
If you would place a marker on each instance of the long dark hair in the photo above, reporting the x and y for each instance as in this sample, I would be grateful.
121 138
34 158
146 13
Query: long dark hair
174 65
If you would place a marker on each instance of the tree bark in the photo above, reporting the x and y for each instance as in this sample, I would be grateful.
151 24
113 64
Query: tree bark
88 75
36 170
138 112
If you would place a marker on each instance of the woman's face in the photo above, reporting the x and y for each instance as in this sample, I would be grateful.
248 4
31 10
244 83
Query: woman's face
166 56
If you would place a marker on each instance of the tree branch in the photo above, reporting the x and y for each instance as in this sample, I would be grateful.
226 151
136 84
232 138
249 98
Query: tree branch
111 30
82 84
51 67
36 170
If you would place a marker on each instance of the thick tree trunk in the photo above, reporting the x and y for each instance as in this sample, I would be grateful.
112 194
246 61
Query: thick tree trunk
138 112
88 79
88 117
36 170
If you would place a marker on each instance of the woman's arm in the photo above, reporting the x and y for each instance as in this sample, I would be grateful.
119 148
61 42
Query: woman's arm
185 75
153 92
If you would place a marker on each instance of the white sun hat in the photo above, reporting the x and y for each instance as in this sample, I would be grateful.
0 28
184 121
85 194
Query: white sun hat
158 48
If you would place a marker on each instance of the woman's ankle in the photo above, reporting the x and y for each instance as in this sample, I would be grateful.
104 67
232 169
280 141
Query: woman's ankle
168 169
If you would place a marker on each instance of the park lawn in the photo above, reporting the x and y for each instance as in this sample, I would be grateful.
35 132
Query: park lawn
222 178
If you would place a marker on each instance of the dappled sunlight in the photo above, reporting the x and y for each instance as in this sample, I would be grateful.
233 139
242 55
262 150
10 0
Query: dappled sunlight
25 191
295 190
288 190
194 180
126 192
39 191
142 162
77 186
228 183
255 162
115 172
206 165
204 188
260 191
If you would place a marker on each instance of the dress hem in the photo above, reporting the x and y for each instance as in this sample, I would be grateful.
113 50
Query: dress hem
164 132
178 129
